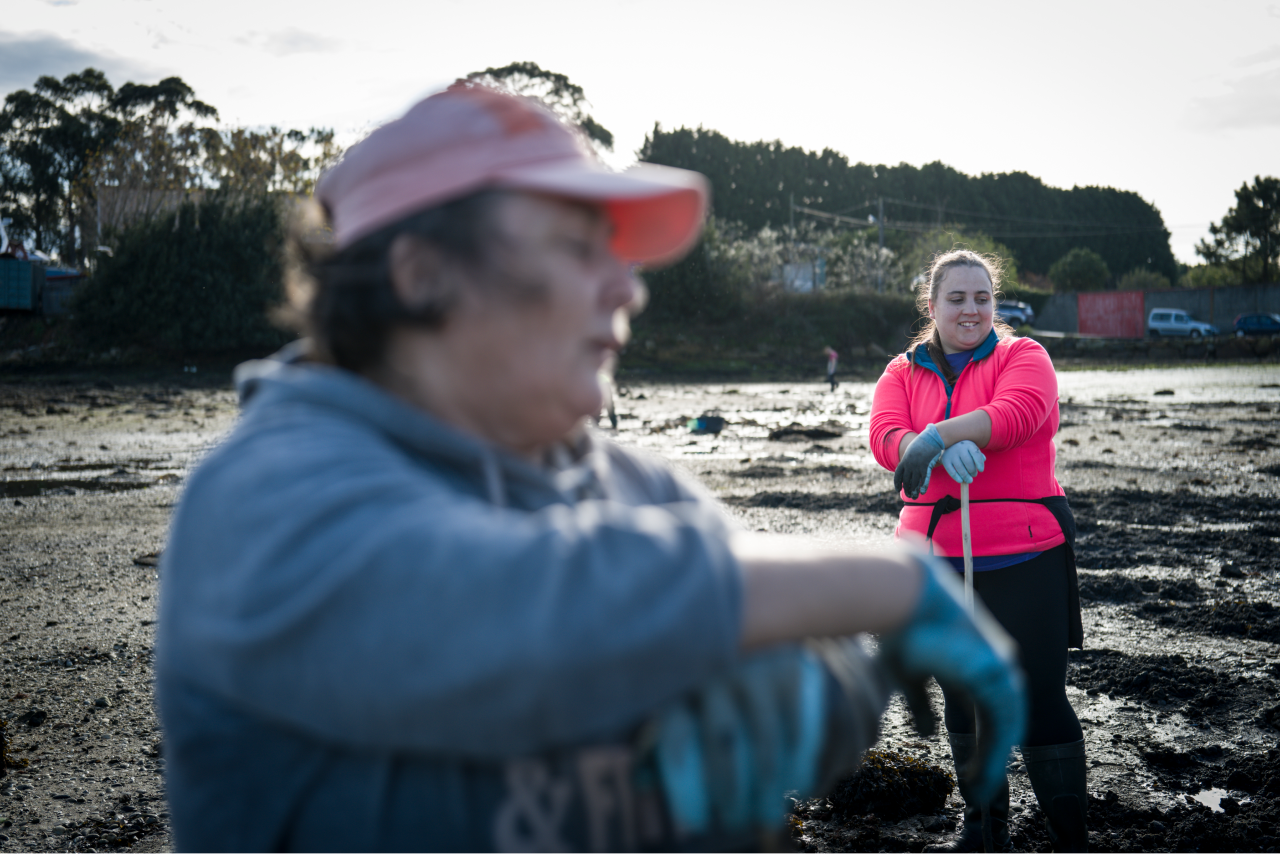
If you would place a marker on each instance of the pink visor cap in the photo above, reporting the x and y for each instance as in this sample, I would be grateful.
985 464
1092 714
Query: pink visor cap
469 138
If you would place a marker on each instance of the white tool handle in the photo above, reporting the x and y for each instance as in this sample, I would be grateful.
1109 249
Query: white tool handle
968 546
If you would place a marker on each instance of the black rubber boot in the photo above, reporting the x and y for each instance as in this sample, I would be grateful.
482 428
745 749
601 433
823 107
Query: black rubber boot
973 836
1057 775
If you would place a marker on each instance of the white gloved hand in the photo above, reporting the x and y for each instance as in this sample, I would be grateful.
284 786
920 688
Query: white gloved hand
963 461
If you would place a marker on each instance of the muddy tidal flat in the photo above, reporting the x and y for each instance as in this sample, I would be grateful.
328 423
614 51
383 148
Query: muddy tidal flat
1174 476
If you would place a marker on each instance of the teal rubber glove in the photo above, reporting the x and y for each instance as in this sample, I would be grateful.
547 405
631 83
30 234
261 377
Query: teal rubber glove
726 755
972 656
912 473
963 461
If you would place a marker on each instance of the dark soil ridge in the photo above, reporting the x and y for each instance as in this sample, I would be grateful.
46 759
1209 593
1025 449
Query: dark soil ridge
1098 546
1172 683
1116 546
1114 825
1138 507
765 470
1115 587
1141 507
1253 619
876 502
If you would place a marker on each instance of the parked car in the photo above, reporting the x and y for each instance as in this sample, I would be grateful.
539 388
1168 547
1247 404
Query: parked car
1175 321
1015 313
1257 324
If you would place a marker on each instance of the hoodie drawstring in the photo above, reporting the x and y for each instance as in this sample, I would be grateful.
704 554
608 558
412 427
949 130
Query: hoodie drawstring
493 479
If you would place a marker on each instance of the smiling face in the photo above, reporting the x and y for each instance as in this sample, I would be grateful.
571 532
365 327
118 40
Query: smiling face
517 361
962 307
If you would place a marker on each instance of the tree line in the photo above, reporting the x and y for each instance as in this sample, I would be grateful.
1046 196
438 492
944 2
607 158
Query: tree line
755 182
81 159
180 220
190 209
1245 244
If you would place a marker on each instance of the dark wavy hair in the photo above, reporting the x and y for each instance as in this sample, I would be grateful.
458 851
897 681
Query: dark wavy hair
344 299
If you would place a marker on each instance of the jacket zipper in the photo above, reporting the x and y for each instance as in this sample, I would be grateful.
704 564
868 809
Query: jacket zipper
950 388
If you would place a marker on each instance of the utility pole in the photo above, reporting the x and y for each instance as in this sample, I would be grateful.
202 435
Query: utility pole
791 245
880 221
793 228
880 257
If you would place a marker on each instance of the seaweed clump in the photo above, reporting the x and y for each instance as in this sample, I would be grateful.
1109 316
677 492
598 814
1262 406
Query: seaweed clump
7 760
892 786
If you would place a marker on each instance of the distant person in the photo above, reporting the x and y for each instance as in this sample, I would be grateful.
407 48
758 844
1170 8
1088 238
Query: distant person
984 404
609 389
410 603
832 358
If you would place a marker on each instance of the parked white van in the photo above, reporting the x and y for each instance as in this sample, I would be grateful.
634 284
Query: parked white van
1175 321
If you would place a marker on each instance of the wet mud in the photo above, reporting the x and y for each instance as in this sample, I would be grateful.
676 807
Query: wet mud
1173 474
1173 477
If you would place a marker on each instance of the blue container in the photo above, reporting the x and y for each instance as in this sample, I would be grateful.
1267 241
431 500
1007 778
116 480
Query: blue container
706 425
21 284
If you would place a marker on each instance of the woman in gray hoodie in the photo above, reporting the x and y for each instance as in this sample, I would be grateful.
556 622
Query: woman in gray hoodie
410 603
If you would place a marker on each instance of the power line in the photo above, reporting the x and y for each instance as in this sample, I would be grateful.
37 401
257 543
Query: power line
1038 220
1002 217
1098 229
857 207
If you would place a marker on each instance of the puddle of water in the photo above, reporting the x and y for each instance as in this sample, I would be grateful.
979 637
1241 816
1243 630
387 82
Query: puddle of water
34 488
1212 798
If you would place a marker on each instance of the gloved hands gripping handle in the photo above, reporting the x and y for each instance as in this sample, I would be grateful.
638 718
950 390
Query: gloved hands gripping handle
972 656
916 465
963 461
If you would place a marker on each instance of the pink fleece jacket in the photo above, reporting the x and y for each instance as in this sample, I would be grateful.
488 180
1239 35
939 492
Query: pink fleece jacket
1017 387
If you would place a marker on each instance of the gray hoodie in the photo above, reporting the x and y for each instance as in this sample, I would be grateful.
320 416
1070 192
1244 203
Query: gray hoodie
365 615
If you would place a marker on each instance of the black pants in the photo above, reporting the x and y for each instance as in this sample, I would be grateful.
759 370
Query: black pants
1030 600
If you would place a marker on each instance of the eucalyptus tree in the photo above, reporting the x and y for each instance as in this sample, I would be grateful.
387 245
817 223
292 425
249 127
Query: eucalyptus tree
561 95
51 135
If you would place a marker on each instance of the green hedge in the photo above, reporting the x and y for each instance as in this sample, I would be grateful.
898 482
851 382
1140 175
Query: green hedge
197 280
780 335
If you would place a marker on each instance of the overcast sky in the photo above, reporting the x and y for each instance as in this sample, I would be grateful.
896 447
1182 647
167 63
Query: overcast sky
1177 101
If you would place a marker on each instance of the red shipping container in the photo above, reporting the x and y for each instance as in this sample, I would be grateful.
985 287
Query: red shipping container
1110 314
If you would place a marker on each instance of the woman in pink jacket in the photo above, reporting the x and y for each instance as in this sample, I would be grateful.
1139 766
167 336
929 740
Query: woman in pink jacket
977 399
